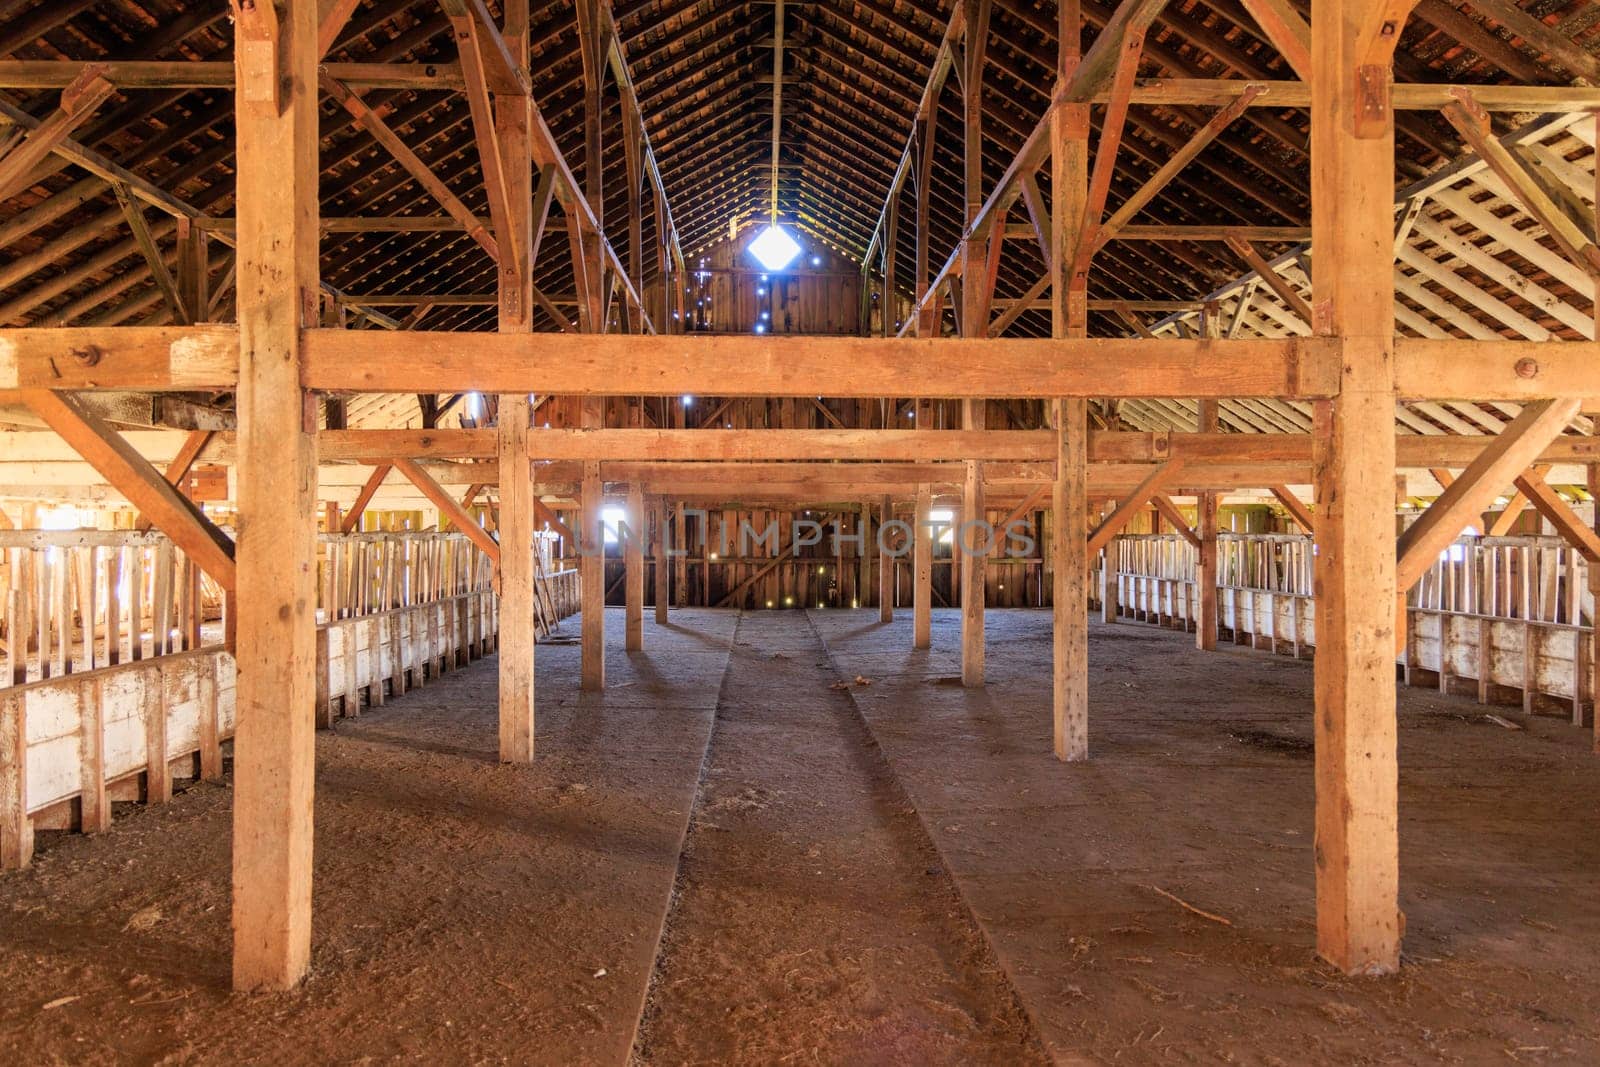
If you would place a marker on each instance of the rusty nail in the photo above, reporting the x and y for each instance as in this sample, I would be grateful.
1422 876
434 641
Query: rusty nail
1527 368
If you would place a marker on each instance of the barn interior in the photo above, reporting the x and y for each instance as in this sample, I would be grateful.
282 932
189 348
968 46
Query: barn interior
765 531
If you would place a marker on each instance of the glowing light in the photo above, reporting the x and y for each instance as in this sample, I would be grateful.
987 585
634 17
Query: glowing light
688 401
774 249
475 405
761 327
611 520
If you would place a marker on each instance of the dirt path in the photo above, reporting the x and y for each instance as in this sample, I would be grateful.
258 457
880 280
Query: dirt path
464 911
1200 785
813 920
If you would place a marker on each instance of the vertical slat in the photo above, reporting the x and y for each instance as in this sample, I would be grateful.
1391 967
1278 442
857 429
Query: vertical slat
153 704
16 828
93 806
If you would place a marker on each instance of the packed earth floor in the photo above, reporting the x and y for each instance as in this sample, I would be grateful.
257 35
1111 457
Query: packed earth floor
787 837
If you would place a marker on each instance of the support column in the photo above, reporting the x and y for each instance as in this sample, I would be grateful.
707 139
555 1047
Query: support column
633 570
662 575
1352 195
974 550
680 563
516 523
274 741
1205 575
592 561
886 565
518 594
1069 504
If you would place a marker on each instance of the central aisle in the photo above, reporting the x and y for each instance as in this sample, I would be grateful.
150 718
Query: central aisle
813 921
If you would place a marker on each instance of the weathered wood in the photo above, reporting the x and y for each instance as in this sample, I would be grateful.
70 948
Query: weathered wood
1352 192
352 519
592 576
518 575
663 576
276 53
974 549
1129 505
633 571
134 477
1295 507
449 507
1464 501
764 365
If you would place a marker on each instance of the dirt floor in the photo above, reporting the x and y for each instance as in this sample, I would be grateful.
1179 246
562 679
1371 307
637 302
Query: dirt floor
894 872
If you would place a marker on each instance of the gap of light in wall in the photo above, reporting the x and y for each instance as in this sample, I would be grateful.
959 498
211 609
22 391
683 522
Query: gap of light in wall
774 249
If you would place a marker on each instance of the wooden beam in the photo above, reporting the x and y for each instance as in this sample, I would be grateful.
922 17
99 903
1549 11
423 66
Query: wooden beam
1137 201
334 16
1179 523
135 478
276 118
373 123
449 507
1472 122
352 519
587 364
1288 32
78 101
142 237
193 444
1469 496
1129 506
1552 507
1295 507
1275 281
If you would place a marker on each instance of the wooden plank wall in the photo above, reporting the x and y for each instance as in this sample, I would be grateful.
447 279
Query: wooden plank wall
729 292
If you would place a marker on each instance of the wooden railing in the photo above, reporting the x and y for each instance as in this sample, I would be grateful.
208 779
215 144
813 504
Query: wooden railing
1508 616
72 601
113 710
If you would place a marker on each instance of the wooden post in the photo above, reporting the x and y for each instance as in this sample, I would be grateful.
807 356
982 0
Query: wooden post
922 563
1352 193
922 549
1069 504
275 57
16 827
973 546
592 565
680 545
662 575
886 565
518 592
1069 551
633 570
1205 574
